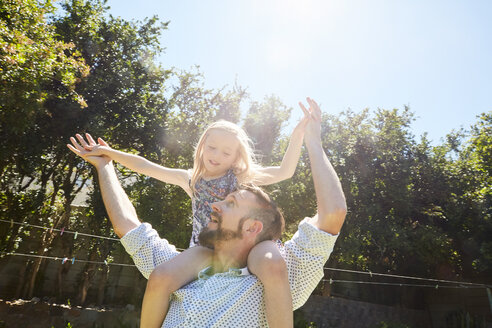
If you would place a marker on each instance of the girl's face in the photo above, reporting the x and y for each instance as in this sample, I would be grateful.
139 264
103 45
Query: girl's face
220 151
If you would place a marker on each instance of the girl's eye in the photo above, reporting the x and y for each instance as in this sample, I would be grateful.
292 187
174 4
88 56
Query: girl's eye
227 154
211 147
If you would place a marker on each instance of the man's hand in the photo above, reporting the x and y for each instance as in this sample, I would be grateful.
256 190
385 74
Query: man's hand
313 125
83 149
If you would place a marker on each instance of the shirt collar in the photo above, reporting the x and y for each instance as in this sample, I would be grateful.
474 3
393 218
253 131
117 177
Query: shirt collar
208 272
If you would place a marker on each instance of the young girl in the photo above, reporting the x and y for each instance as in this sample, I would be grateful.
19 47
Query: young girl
223 160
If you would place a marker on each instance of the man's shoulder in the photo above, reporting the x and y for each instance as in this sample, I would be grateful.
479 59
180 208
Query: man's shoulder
311 239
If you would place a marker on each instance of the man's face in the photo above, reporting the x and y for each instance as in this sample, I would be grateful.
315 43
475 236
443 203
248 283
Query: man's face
227 218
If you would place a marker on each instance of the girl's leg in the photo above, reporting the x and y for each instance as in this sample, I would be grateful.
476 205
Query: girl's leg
166 279
268 265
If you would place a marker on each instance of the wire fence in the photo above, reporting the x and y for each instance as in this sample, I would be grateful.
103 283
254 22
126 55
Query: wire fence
437 283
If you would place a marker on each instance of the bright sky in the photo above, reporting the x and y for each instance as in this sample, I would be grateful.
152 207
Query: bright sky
435 56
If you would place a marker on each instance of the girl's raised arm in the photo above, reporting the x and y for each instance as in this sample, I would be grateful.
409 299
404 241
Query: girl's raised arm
141 165
273 174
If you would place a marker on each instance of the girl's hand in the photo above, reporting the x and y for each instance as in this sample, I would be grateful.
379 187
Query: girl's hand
98 149
80 148
301 126
92 148
313 126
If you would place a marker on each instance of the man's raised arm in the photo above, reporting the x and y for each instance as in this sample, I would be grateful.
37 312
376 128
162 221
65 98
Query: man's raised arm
329 194
119 208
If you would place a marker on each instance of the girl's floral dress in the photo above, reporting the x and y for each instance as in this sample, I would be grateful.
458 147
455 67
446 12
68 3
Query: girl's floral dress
206 193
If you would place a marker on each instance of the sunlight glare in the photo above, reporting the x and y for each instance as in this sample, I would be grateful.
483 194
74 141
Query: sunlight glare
295 28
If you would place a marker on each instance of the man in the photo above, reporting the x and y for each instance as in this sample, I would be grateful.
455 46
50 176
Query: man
225 294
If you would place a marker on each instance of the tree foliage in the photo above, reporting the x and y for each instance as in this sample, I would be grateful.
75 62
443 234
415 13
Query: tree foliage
34 67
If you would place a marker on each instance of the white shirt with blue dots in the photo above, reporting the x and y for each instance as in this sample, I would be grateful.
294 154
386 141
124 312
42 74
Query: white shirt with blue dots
233 298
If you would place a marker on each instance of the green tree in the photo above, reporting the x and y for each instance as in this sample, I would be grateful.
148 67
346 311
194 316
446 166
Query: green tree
469 203
263 124
34 67
392 221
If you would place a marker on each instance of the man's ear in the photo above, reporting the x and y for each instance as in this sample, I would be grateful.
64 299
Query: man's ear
254 226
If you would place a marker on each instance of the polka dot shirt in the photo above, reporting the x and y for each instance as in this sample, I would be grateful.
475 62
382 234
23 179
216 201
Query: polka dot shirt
233 298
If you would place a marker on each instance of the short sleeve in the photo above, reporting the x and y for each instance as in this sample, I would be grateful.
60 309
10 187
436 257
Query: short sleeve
147 249
305 255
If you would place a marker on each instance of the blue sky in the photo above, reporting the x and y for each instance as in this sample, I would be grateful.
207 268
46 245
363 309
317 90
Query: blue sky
434 56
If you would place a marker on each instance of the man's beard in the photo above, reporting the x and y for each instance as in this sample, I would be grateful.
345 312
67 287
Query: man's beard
210 238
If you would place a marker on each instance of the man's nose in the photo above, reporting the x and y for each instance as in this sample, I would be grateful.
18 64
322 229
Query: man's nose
215 207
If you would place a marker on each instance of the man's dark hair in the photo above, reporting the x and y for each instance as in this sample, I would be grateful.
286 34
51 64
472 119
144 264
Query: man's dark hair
268 213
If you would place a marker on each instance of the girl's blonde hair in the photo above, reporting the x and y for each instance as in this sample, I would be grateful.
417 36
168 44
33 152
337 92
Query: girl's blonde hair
245 167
